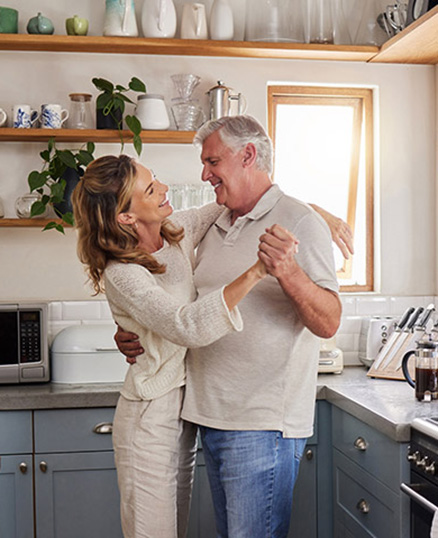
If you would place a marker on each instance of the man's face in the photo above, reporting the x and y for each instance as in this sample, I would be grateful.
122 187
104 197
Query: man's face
225 171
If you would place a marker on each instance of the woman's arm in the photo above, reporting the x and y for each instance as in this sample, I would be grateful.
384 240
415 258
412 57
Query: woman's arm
133 290
340 231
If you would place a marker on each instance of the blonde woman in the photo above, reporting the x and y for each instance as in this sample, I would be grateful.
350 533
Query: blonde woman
143 260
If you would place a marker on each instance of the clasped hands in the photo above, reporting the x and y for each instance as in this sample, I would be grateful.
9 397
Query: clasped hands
277 250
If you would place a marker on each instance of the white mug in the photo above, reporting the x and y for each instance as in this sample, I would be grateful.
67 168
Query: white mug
23 116
53 116
3 117
194 22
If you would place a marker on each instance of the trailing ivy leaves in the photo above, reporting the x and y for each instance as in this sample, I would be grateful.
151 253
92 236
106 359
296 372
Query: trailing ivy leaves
50 183
112 100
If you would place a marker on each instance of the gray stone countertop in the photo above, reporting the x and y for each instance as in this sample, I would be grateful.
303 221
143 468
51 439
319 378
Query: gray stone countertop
388 406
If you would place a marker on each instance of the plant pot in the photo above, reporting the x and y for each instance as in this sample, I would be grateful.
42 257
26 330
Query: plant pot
72 178
112 121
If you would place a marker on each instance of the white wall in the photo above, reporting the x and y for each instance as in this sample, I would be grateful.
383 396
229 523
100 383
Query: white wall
36 265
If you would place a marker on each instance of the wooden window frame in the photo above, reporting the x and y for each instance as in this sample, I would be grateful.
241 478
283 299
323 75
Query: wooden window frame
361 99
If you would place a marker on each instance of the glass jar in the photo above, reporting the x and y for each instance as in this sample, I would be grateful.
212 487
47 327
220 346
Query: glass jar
80 111
23 205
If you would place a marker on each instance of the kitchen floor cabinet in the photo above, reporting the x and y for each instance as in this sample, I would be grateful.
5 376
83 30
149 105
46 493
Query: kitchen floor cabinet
368 469
16 494
76 491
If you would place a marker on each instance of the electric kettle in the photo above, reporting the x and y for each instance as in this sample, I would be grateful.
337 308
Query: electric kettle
220 98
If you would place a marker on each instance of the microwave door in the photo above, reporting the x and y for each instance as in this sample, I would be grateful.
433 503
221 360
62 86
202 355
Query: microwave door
9 346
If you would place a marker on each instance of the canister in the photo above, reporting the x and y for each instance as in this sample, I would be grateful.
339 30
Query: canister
152 113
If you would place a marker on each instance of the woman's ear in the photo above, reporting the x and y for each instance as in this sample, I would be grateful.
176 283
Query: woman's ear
125 218
249 155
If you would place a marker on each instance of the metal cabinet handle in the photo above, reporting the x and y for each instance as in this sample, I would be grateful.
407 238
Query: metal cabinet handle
309 454
360 444
23 467
363 506
43 466
103 428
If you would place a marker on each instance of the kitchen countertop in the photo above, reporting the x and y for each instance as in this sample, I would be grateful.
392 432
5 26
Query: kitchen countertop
388 406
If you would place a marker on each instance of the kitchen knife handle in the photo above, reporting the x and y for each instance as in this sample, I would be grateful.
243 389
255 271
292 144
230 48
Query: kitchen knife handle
404 319
414 317
426 316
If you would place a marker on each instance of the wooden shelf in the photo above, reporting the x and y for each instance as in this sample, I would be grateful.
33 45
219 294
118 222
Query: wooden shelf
416 44
184 47
9 134
28 223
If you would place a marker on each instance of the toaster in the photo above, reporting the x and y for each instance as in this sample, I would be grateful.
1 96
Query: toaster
374 333
331 359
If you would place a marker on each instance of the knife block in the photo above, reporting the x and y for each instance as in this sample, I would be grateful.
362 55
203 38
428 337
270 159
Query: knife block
390 371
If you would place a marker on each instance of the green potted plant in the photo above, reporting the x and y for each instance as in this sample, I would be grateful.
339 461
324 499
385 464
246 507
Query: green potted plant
61 171
110 107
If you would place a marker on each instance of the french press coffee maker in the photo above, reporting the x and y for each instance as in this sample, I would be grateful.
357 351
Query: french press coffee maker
426 370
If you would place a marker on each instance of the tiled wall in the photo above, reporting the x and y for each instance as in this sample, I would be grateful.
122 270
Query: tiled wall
65 313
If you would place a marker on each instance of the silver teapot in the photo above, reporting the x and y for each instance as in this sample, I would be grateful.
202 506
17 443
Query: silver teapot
220 98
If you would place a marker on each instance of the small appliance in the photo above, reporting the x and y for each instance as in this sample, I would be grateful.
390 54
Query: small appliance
24 350
331 358
374 334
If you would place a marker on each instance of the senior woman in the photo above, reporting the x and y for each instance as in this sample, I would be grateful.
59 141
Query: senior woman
143 261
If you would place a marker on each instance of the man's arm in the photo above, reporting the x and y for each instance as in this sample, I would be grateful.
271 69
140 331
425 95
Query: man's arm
319 309
128 344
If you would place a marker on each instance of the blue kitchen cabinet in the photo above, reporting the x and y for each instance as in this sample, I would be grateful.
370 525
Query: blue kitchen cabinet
368 468
16 498
76 491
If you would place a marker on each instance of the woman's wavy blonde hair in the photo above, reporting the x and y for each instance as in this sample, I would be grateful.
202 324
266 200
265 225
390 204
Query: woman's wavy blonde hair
101 195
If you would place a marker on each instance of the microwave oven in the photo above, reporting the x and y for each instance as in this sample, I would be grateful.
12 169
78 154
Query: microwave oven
24 349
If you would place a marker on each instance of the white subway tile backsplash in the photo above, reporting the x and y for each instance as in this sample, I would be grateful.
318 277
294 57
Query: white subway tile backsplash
62 314
81 310
372 306
348 305
105 311
55 311
398 305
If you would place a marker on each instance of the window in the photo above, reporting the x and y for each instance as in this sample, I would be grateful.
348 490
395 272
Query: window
323 139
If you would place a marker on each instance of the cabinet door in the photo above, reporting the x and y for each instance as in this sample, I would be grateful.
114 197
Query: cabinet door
16 500
77 495
201 523
304 507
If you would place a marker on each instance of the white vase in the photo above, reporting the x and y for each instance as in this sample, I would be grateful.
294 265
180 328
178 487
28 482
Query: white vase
158 18
221 21
120 18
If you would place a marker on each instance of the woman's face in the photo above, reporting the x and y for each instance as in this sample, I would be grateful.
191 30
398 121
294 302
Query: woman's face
149 203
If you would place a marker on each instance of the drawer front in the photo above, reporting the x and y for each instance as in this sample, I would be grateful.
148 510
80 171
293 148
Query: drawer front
369 448
73 430
15 432
363 505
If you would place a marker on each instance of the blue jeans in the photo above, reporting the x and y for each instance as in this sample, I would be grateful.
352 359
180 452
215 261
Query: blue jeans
252 475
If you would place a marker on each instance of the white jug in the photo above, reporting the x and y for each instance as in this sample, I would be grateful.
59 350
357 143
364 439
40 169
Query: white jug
158 18
221 21
194 22
120 18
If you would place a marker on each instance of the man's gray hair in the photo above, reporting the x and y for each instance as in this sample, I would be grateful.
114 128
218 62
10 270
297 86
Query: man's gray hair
238 131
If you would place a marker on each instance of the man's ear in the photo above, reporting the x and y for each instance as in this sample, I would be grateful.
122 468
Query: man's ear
125 218
249 155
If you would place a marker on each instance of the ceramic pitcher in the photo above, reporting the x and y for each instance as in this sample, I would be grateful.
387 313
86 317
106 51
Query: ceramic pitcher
194 22
120 18
158 18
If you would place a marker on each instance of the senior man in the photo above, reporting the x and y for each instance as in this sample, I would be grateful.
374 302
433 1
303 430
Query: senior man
252 393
